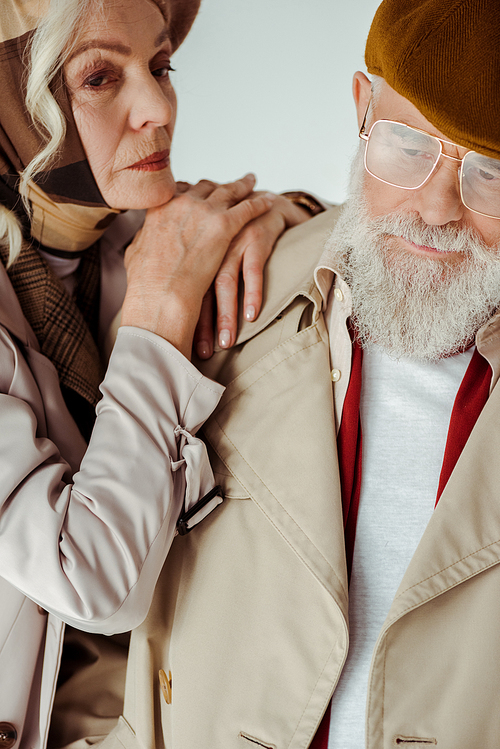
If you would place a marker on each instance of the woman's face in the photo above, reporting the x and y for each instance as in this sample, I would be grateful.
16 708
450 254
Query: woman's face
124 104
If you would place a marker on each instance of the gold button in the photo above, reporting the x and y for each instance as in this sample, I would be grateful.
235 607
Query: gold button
335 374
166 685
8 735
338 295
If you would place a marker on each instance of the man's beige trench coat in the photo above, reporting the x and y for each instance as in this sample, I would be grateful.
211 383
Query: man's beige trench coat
249 619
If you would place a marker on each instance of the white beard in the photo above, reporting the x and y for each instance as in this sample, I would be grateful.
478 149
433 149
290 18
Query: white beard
411 305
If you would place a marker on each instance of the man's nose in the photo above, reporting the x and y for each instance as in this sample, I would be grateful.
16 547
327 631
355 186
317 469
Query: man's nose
151 105
438 202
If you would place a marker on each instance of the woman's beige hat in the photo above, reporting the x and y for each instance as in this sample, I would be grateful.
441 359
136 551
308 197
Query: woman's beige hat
68 211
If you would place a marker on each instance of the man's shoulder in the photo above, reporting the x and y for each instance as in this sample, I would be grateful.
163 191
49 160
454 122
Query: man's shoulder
290 269
289 287
297 253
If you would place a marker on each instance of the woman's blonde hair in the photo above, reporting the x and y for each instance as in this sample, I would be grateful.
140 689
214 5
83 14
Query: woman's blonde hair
50 47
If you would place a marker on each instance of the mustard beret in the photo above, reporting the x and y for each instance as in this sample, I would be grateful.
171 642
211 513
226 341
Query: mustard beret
444 57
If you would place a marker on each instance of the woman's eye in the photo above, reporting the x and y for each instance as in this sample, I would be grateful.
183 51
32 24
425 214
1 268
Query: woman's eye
96 81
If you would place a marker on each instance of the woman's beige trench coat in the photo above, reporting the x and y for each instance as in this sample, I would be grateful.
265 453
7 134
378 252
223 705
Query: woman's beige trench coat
249 620
90 553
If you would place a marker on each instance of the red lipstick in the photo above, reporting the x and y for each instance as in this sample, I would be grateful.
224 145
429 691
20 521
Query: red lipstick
153 163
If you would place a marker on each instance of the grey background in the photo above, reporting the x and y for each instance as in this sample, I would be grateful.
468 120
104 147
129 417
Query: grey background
265 86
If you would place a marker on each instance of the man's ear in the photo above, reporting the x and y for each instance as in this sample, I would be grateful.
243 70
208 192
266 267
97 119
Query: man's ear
361 91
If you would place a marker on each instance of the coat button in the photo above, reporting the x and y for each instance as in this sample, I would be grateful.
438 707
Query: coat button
166 685
8 735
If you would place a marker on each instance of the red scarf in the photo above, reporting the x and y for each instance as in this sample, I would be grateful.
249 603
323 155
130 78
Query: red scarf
471 397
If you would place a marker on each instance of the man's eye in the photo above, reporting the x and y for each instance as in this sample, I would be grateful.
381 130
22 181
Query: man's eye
163 71
486 175
417 153
411 152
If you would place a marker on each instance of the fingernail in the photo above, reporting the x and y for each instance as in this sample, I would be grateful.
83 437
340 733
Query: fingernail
270 196
224 338
250 313
248 175
203 349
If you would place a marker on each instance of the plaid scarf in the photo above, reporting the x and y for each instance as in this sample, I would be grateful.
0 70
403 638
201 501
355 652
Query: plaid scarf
64 325
67 214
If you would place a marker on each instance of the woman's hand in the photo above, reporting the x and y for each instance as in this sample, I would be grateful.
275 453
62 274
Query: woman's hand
247 254
174 257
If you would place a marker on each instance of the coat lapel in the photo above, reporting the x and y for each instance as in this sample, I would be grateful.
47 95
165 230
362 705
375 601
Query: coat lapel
463 536
285 390
292 475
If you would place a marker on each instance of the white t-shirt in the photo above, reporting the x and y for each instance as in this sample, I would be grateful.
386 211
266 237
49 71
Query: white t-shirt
405 414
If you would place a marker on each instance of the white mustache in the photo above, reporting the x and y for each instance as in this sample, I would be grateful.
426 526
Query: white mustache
448 238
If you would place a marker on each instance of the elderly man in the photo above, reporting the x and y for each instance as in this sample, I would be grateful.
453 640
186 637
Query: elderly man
357 438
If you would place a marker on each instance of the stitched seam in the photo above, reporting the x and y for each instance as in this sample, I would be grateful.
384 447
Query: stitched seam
450 566
282 343
290 356
325 704
370 692
198 380
284 510
197 386
22 606
449 587
307 293
383 687
417 48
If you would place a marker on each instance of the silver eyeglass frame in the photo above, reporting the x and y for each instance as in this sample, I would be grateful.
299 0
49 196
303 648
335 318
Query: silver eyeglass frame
366 137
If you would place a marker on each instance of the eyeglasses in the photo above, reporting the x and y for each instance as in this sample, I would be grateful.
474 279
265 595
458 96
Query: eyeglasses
406 157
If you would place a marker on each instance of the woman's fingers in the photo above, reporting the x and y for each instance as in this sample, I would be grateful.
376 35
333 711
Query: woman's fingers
226 292
246 211
203 342
247 256
203 189
253 277
182 187
231 193
173 260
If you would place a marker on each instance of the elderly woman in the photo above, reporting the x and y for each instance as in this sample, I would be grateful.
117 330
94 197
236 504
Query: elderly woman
85 133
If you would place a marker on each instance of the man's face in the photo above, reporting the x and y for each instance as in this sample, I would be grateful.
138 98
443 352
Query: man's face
424 270
438 202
